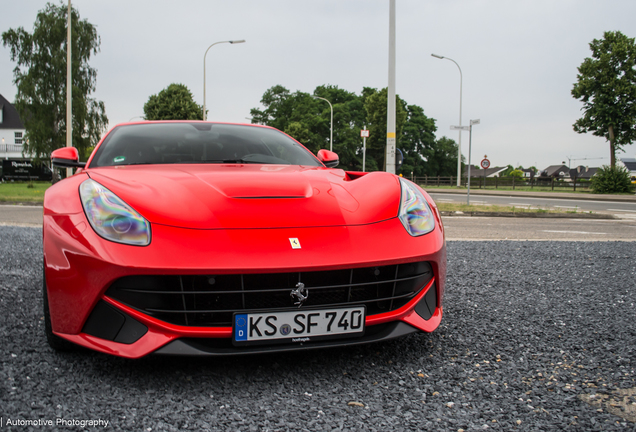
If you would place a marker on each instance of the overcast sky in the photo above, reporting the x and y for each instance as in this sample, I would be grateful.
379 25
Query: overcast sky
519 60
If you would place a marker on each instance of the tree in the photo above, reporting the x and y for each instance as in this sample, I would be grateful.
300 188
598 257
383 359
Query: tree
442 159
507 171
173 103
607 87
516 173
278 108
40 77
417 141
375 105
308 120
348 120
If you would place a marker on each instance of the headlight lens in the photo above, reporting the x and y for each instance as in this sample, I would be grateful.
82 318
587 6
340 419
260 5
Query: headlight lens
415 214
112 218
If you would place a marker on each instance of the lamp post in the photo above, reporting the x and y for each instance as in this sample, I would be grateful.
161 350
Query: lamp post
206 53
470 140
459 144
331 129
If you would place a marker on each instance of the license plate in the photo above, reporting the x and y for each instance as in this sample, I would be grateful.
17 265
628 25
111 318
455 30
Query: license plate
299 326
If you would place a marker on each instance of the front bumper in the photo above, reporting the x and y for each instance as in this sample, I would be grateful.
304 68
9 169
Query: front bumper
80 267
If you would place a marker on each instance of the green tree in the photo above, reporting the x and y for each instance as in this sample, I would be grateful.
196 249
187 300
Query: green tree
40 78
278 108
606 84
442 159
348 120
417 141
297 114
173 103
308 120
509 169
375 105
516 173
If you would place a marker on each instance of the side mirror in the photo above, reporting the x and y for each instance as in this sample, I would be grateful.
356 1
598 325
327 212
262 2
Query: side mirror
66 157
329 158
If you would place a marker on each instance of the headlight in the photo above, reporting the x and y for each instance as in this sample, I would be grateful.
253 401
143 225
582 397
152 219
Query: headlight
415 214
112 218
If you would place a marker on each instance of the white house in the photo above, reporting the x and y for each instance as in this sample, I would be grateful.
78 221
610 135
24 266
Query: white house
11 131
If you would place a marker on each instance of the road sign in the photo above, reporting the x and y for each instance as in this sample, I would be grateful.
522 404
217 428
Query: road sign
485 163
364 133
464 128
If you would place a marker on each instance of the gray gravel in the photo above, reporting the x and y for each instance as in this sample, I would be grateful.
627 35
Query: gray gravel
530 329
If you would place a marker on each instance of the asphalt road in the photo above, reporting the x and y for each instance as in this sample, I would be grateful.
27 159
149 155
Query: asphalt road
536 336
621 209
20 215
506 228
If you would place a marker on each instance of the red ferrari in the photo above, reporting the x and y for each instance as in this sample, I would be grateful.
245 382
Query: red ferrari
200 238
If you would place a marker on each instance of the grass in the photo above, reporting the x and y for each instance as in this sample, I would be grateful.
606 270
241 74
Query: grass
21 192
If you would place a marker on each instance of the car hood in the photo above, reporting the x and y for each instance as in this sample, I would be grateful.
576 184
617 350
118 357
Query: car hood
252 196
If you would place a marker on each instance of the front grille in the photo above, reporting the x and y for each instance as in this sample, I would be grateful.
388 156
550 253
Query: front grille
210 300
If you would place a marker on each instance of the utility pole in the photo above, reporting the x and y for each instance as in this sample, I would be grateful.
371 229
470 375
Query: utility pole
390 117
470 141
69 88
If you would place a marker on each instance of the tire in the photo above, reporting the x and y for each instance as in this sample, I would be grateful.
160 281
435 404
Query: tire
55 342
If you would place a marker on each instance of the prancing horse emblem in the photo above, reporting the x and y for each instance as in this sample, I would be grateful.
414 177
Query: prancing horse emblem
300 294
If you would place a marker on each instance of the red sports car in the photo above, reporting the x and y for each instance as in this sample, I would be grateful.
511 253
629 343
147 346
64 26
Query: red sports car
200 238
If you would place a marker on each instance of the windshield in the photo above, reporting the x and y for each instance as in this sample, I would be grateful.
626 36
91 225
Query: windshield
196 143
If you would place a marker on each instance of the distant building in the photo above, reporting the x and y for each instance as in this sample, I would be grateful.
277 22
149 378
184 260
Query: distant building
528 173
630 164
476 171
556 171
11 131
583 172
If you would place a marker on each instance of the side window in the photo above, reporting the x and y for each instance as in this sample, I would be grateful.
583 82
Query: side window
18 137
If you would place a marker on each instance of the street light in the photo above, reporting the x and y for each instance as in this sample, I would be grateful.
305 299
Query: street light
459 145
331 134
206 53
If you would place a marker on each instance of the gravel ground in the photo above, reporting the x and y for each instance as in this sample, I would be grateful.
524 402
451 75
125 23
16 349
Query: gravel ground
532 330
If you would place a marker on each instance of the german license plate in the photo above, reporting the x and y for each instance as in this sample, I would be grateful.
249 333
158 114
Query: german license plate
298 326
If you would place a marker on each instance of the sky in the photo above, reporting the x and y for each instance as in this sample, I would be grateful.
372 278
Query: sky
519 61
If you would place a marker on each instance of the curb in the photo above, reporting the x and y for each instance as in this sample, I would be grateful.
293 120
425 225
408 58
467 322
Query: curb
22 203
530 215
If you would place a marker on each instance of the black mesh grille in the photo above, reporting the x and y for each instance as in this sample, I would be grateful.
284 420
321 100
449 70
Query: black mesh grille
210 300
